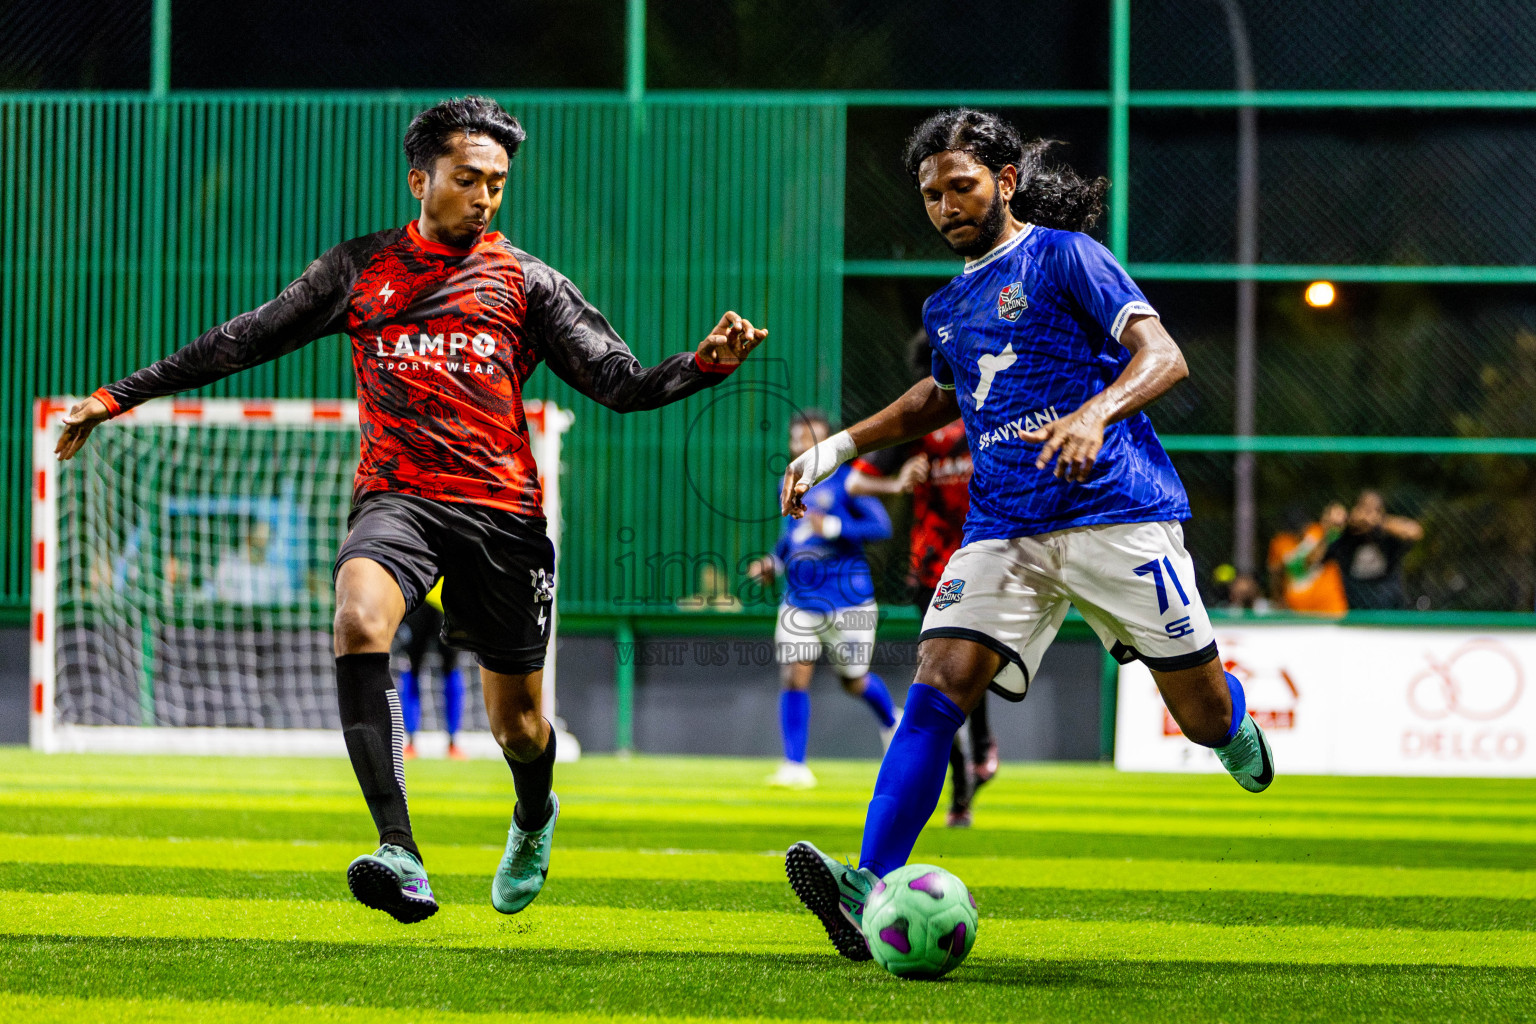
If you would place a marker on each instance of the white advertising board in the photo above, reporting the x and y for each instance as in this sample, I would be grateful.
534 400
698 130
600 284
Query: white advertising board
1346 700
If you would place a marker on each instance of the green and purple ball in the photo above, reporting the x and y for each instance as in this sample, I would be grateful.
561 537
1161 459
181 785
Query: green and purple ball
920 922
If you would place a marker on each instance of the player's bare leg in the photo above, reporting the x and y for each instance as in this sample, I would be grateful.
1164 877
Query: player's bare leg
794 725
514 704
952 676
369 607
1211 709
1198 700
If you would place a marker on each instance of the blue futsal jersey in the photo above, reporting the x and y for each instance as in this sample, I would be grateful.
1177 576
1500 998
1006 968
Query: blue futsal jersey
825 574
1026 335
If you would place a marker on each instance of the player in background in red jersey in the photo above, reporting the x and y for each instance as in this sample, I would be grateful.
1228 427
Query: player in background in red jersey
936 470
447 320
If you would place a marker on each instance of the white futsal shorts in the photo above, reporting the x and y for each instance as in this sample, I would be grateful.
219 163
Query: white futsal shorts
846 634
1133 582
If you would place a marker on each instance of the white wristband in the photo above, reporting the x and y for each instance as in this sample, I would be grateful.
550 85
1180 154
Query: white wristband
822 460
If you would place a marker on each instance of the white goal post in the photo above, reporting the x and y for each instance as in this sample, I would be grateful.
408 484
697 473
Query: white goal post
181 588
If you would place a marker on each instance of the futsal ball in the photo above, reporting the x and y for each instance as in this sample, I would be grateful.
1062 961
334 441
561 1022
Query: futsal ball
920 921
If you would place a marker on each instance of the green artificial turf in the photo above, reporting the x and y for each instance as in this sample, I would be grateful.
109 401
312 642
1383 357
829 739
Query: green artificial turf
192 889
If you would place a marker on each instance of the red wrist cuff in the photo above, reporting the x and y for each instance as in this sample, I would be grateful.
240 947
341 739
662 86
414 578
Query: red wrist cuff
107 400
721 368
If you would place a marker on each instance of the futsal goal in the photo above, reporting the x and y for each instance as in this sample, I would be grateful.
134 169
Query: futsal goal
181 579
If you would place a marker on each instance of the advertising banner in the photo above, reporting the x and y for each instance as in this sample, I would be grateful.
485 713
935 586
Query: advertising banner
1344 700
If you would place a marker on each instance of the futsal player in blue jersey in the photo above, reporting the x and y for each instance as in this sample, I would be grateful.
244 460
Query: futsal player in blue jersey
829 601
1048 352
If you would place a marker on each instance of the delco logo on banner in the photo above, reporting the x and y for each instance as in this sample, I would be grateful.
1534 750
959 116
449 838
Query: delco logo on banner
1357 701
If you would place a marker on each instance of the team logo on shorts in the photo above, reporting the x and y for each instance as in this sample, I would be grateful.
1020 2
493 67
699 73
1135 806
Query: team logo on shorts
1012 301
543 584
949 593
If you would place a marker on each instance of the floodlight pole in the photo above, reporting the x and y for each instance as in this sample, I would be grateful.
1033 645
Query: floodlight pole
624 648
1119 128
160 49
1244 504
634 50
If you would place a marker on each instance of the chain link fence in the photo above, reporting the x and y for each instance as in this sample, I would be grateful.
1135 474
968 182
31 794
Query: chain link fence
876 44
1391 186
772 44
1384 360
1478 513
1363 44
92 44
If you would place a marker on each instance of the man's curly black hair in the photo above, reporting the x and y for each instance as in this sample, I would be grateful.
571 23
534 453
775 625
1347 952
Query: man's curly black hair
1054 197
428 136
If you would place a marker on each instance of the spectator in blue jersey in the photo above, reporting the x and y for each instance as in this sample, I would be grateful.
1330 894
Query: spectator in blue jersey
1048 352
829 602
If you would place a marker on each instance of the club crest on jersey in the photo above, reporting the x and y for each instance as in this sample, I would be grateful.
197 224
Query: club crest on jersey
543 585
1012 301
949 592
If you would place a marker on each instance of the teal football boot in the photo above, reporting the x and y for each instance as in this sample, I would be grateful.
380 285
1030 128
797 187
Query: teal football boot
1248 758
391 879
835 893
525 864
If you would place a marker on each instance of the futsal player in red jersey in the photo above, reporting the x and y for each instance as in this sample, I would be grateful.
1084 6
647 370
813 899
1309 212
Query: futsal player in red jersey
447 320
936 470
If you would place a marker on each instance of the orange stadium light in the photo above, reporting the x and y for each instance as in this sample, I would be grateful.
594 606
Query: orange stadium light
1320 294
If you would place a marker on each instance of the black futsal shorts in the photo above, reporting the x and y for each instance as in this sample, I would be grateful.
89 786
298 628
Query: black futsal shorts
498 571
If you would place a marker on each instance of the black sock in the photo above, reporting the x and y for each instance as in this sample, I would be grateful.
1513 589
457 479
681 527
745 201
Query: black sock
533 781
981 730
375 735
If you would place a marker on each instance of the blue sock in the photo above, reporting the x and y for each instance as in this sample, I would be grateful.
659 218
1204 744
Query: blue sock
453 701
1239 708
410 702
910 780
879 698
794 723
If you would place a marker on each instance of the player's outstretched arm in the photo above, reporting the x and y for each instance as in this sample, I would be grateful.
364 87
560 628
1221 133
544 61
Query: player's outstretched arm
923 409
584 350
309 308
912 472
1074 440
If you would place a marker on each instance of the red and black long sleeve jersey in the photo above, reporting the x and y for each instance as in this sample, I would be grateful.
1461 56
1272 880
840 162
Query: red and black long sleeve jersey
939 504
443 340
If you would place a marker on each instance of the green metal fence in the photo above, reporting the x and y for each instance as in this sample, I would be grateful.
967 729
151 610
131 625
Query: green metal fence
131 222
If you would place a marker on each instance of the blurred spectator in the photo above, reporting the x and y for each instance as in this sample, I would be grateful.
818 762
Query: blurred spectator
1300 579
1370 549
252 575
1245 594
1239 592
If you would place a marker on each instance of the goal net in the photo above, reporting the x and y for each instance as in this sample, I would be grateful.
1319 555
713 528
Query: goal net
181 579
